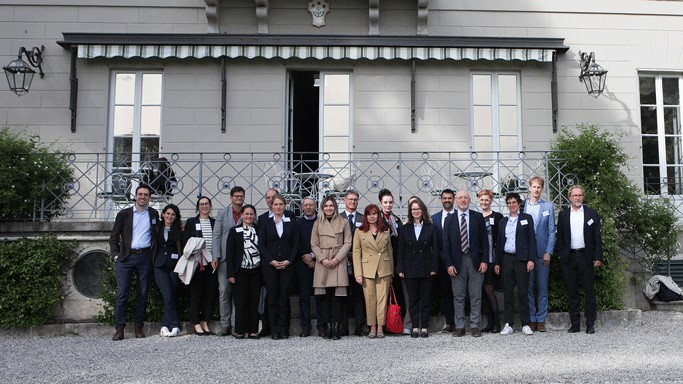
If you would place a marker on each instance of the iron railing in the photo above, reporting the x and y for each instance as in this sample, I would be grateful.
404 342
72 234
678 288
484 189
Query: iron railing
99 188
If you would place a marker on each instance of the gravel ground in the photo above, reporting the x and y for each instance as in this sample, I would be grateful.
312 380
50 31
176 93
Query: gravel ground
647 352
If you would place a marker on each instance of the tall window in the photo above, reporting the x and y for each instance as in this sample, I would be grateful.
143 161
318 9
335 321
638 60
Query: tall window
496 121
335 119
135 117
660 122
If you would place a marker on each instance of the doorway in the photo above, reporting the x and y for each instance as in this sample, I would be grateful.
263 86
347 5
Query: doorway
304 120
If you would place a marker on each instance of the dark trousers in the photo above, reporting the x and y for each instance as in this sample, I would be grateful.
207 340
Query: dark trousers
277 296
139 264
168 283
420 294
356 300
333 306
514 273
445 287
579 270
203 290
245 294
304 275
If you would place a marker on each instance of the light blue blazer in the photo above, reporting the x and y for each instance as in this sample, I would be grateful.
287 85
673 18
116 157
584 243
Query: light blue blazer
545 230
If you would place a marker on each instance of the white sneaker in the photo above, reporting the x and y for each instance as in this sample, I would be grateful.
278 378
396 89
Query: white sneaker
164 332
527 330
174 332
507 330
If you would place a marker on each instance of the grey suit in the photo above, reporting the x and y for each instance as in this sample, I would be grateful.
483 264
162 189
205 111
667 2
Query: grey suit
224 221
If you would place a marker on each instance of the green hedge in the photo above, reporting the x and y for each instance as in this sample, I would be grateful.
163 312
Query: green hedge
31 279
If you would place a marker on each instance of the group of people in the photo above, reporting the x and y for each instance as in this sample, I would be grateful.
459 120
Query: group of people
350 260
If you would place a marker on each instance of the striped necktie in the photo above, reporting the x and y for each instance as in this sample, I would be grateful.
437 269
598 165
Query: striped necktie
464 242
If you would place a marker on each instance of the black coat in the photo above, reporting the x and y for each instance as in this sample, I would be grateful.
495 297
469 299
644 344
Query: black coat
418 257
525 239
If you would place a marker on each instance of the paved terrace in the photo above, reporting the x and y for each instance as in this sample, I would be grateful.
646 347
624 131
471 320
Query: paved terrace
645 350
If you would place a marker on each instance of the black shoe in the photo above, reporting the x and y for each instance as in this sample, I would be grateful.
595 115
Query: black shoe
264 332
590 330
415 333
574 329
237 336
118 335
254 336
275 336
343 331
358 331
488 328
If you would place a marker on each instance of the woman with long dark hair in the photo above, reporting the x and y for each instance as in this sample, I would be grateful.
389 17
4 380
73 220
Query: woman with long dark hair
168 241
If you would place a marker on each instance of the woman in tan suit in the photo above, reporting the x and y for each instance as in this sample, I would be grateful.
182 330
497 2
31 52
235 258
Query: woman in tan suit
373 267
330 243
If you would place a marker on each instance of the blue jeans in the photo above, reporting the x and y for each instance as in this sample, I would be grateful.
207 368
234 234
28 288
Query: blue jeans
141 265
168 282
538 282
305 278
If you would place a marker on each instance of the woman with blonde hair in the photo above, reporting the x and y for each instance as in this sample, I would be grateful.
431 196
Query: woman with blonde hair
331 242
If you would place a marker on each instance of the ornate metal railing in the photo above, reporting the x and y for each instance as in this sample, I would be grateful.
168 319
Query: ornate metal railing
98 188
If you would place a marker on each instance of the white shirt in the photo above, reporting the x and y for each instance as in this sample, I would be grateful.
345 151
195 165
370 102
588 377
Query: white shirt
142 229
576 225
418 230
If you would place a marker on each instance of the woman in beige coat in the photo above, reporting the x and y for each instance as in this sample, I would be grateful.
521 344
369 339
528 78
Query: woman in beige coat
373 267
330 243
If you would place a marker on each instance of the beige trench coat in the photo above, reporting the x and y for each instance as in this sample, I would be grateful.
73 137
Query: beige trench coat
331 240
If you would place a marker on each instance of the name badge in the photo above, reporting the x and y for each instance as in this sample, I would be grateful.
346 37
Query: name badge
590 222
286 219
174 256
492 221
154 221
198 227
359 224
546 213
239 229
523 222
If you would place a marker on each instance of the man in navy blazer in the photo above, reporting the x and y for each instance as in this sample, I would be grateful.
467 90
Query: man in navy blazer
579 246
465 251
442 277
132 243
516 252
543 213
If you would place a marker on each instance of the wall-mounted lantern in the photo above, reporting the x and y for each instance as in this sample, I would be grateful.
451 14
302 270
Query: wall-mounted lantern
592 75
20 74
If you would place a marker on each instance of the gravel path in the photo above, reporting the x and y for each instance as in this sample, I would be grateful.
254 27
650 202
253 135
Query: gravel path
648 352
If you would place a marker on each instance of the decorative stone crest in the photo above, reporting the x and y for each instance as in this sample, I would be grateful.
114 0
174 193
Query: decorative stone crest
318 9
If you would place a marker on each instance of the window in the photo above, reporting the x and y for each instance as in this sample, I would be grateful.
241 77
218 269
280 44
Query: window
335 119
660 127
135 117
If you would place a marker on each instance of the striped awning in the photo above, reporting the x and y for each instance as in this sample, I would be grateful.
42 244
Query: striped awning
92 46
302 52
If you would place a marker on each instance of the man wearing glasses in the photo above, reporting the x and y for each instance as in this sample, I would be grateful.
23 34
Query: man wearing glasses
579 246
227 218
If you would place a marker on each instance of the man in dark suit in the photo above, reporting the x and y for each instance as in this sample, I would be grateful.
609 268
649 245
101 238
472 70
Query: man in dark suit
579 246
356 297
465 249
516 252
132 244
443 278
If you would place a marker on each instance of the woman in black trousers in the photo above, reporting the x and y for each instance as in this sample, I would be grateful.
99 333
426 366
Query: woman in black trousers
168 252
244 272
278 243
418 261
204 283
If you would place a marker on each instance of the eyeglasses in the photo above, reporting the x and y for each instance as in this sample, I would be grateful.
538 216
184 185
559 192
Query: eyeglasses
204 204
416 209
238 196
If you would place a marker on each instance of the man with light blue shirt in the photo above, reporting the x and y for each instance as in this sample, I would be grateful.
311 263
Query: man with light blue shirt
543 213
132 244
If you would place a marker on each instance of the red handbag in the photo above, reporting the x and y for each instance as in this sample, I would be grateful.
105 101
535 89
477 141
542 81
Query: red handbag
394 322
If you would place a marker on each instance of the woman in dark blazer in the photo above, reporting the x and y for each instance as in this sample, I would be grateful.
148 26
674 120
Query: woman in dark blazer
418 261
244 272
491 280
166 257
393 223
278 243
204 283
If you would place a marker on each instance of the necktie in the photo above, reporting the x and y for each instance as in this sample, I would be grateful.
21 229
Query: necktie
351 221
464 243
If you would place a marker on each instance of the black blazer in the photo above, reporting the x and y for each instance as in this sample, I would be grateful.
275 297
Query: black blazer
591 235
234 250
122 232
394 239
260 219
191 229
493 221
165 248
525 239
273 247
478 240
418 257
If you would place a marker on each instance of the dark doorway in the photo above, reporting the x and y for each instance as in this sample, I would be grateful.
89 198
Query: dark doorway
304 114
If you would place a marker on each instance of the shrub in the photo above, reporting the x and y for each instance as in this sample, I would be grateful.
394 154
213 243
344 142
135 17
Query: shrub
31 279
33 178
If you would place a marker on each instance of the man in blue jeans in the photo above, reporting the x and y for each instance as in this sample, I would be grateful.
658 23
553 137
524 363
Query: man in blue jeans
132 244
543 214
304 271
